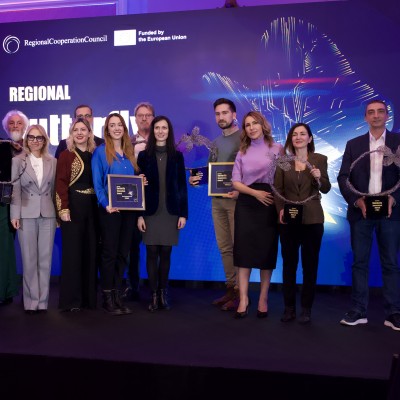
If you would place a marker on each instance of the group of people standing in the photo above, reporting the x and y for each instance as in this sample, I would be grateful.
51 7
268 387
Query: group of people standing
249 221
73 191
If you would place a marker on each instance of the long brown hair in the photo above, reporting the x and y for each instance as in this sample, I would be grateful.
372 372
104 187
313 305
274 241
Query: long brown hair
126 143
266 130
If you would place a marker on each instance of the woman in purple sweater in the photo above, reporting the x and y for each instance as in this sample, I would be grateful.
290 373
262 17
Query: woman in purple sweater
256 232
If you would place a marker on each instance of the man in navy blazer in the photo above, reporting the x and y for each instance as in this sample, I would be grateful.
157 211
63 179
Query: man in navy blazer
370 176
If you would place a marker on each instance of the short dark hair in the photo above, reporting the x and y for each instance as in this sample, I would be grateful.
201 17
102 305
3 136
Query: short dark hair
289 143
81 106
376 101
222 100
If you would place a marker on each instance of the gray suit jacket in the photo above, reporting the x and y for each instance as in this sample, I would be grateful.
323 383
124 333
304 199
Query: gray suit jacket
28 199
288 184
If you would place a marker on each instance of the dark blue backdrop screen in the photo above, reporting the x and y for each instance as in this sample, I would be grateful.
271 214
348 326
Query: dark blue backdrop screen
317 63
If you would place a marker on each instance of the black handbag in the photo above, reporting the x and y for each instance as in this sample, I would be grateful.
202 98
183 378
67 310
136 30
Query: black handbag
6 188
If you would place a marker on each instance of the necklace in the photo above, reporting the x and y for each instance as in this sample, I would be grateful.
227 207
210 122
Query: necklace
160 156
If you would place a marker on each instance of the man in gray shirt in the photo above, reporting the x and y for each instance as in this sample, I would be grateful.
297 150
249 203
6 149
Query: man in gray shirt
223 207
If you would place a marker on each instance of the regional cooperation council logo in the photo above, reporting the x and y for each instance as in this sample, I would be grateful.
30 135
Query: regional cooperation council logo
11 44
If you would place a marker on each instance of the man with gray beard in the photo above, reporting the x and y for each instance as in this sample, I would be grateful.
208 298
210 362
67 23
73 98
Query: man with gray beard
14 124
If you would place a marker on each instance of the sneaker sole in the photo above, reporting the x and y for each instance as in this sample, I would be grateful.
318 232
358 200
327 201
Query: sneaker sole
390 325
357 322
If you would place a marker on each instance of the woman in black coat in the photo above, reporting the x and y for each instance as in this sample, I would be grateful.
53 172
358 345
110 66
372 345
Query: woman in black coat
166 205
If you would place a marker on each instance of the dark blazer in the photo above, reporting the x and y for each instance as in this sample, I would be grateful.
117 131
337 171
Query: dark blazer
287 184
360 174
176 196
63 145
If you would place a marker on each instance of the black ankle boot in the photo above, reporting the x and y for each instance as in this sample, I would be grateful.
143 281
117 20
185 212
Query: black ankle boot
305 316
164 302
119 305
108 303
289 314
153 306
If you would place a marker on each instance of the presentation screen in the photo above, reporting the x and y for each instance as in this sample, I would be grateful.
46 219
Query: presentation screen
317 63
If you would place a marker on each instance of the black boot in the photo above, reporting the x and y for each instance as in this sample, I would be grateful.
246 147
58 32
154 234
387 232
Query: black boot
305 316
119 305
164 304
108 303
289 314
153 306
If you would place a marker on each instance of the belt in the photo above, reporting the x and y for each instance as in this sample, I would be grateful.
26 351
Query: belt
86 191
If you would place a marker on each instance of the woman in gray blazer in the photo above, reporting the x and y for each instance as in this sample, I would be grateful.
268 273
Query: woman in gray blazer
33 215
297 184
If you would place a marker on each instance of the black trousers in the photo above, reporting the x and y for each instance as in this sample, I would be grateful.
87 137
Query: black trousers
308 239
134 258
78 284
116 236
158 264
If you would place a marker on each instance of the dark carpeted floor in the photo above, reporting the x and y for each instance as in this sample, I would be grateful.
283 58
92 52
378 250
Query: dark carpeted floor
194 333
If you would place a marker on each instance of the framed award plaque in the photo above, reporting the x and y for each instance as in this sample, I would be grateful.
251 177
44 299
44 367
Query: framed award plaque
126 192
220 178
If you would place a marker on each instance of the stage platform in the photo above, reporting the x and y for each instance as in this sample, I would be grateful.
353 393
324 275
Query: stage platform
196 351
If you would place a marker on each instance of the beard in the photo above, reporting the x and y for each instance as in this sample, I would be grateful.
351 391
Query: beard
15 136
224 125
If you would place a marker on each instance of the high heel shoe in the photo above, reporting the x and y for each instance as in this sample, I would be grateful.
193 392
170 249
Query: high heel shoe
242 314
262 314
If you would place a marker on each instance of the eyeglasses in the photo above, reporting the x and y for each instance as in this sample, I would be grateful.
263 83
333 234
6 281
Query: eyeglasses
141 116
84 116
32 138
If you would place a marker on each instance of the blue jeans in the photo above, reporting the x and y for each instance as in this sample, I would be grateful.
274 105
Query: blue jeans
388 240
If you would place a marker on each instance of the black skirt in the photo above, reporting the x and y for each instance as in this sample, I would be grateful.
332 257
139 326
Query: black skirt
256 232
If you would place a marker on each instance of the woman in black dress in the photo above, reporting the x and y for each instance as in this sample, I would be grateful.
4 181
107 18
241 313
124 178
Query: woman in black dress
166 206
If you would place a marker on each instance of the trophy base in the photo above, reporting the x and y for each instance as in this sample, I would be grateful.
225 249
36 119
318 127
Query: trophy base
377 207
293 214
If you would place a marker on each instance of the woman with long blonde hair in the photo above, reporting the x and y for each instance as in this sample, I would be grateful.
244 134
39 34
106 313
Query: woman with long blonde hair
34 217
77 211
